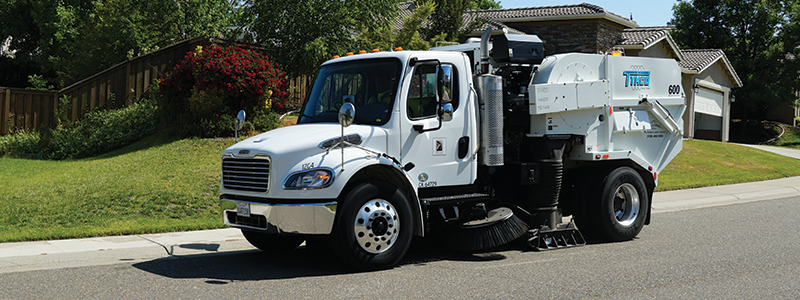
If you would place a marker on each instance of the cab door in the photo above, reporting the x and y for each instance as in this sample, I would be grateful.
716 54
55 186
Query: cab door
444 156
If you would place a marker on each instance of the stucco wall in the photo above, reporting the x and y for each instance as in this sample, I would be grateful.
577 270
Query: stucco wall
714 74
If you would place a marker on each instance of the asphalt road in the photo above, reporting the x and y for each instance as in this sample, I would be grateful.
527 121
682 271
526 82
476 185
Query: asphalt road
741 251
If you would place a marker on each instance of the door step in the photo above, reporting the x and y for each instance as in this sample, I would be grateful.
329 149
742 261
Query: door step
455 199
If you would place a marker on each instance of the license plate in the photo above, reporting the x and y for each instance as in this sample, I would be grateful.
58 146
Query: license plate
243 209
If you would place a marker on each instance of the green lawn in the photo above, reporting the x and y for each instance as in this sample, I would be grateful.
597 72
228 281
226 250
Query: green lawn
790 139
155 185
707 163
164 185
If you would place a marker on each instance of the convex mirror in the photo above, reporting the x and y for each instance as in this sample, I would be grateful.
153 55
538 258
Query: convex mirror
239 123
346 114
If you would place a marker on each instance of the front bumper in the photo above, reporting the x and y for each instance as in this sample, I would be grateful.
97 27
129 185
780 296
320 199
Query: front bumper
304 218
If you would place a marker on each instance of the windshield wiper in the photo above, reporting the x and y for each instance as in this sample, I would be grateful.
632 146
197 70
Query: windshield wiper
305 115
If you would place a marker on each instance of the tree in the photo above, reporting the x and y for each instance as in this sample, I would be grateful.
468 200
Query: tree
448 18
760 37
17 27
70 39
408 37
301 34
485 4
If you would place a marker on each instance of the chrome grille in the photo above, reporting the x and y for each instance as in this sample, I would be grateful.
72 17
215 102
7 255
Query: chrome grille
250 175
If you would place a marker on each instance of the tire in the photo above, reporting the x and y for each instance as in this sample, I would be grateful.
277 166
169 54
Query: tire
617 209
271 242
374 226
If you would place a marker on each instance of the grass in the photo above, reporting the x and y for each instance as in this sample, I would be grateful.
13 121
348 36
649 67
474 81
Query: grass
155 185
708 163
161 184
289 120
790 139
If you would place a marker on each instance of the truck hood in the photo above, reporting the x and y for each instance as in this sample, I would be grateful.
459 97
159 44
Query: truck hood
304 140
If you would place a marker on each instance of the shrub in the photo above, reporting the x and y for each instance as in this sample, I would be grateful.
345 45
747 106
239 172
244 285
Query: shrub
201 95
100 131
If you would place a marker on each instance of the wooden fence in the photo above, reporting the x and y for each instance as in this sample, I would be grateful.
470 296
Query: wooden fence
300 87
115 87
26 109
126 83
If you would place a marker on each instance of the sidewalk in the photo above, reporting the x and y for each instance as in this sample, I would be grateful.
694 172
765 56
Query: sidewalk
44 255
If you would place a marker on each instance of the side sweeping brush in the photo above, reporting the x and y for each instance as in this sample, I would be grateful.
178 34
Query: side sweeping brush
500 227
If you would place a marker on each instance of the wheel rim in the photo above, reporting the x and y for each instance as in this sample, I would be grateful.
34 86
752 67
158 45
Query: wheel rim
376 226
626 204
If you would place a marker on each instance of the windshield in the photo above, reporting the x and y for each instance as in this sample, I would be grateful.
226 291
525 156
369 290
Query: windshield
371 85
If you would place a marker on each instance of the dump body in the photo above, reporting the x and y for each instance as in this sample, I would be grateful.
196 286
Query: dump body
622 106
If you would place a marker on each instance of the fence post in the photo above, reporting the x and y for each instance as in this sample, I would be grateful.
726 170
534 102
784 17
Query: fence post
6 111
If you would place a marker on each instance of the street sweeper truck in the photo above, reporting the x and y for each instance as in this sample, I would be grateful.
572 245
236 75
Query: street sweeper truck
471 146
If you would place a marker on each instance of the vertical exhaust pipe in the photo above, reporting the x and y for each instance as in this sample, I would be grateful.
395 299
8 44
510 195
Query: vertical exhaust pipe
490 101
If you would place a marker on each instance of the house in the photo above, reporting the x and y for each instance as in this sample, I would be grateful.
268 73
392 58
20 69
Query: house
707 79
707 75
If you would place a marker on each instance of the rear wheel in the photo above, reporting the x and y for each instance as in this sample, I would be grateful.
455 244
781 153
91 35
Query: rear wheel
374 226
620 212
272 242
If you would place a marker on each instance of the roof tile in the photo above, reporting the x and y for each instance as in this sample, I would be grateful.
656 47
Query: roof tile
699 59
643 35
551 11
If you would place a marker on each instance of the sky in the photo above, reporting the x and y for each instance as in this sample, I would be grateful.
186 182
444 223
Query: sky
645 13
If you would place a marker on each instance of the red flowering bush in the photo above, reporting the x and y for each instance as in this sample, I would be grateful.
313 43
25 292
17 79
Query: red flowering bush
212 84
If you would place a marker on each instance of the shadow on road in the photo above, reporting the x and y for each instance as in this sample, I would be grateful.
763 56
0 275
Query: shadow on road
255 265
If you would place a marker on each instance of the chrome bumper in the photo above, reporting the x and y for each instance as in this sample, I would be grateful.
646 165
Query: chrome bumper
307 218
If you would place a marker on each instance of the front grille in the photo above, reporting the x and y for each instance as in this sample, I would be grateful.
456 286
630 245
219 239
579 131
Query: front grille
250 175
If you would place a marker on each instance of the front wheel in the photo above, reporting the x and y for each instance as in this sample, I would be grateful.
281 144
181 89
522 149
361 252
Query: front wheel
374 226
620 212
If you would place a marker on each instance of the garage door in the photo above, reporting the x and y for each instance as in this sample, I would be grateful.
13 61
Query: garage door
709 102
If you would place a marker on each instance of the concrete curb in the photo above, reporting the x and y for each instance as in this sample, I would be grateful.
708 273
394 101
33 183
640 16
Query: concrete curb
725 195
46 255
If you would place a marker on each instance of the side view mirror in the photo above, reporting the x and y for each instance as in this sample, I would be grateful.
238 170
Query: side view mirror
238 124
239 120
446 112
346 114
440 82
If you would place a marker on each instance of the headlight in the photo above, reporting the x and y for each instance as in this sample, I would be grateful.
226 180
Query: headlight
309 179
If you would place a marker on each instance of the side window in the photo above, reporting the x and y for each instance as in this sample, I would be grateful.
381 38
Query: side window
422 93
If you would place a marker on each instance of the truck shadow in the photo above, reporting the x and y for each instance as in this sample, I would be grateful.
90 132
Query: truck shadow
255 265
